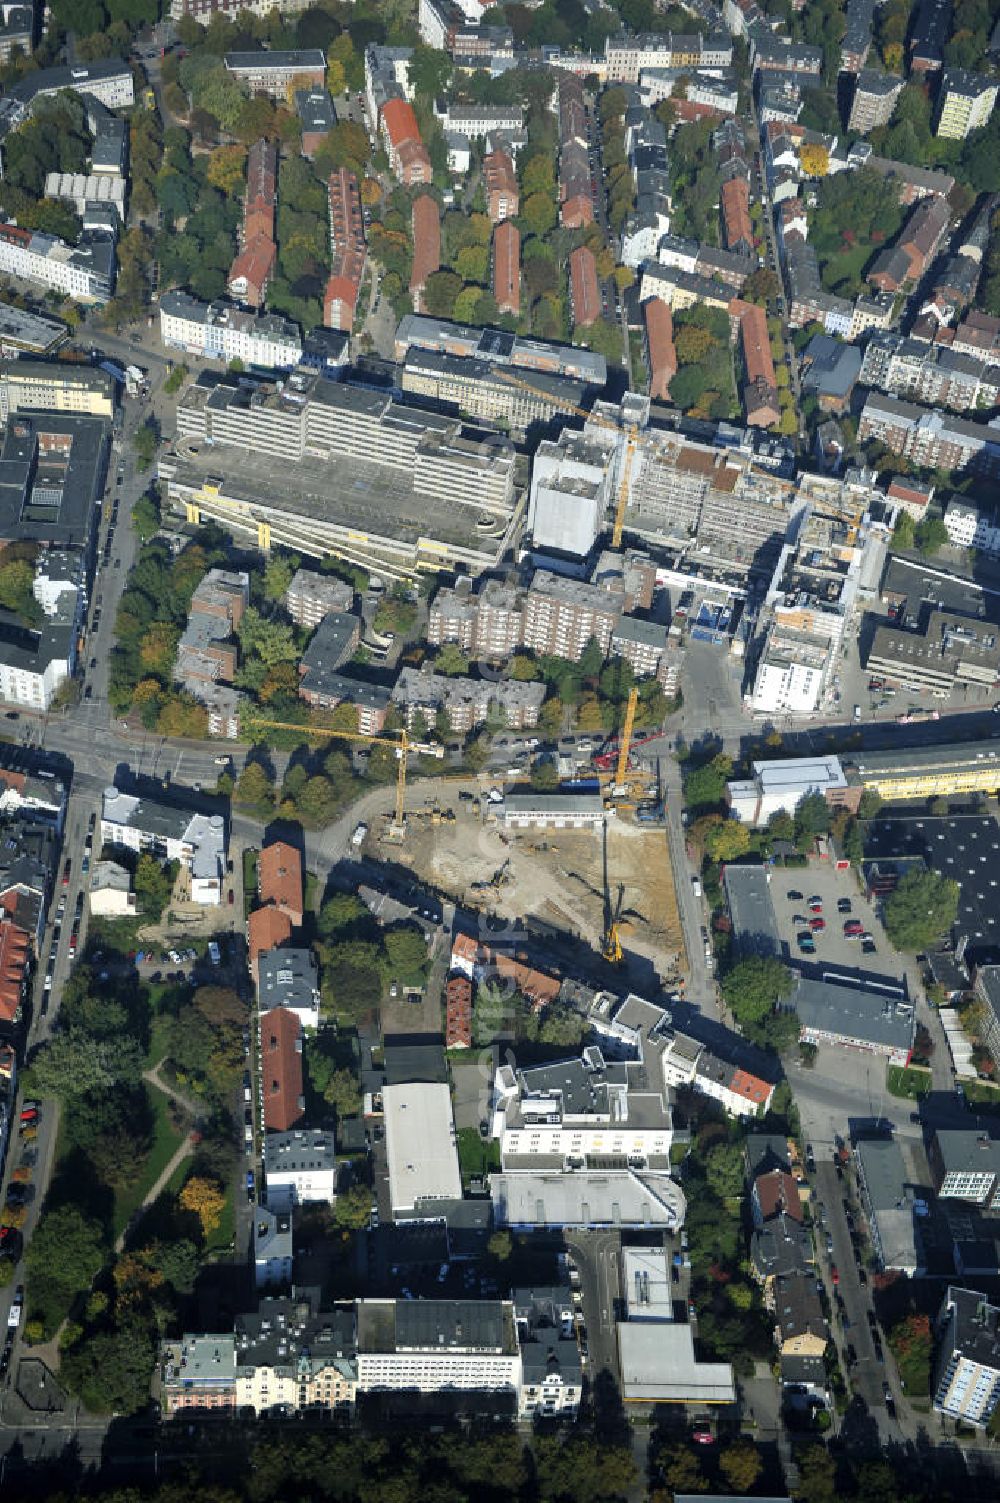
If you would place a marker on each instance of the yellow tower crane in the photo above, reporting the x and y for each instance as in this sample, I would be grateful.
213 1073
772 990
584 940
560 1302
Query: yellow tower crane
399 741
631 431
626 738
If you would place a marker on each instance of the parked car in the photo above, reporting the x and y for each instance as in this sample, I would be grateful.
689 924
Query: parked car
793 895
843 905
817 925
16 1308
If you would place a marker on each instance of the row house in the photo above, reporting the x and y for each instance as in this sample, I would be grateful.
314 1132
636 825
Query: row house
348 251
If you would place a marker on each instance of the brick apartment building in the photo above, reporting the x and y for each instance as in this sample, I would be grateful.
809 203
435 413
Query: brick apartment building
404 145
348 251
502 199
254 263
426 221
507 267
585 294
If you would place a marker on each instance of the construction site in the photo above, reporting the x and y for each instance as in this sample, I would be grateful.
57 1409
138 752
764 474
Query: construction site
563 884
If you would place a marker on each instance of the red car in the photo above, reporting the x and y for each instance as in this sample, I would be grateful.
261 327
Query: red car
816 924
65 875
835 1274
852 928
703 1438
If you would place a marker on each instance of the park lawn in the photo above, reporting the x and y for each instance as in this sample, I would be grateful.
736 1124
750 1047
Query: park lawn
908 1082
476 1157
983 1093
221 1240
249 879
845 264
166 1141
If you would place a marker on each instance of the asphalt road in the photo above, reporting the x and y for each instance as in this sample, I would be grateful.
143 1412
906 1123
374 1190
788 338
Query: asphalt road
596 1255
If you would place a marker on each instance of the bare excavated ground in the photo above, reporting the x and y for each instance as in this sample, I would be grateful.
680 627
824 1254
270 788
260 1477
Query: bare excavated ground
558 877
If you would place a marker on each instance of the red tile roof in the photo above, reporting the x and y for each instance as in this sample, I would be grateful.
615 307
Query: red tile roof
777 1192
279 878
281 1069
15 950
268 927
507 267
458 1013
583 286
400 122
736 213
426 243
662 355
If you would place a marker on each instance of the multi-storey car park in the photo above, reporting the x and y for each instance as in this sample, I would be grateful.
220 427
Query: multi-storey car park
333 469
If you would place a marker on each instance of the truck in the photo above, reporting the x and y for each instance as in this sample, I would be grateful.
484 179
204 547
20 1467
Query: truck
135 381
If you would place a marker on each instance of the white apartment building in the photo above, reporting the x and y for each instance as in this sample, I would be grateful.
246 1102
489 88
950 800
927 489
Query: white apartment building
786 687
299 1168
433 1346
627 56
968 527
967 1375
197 841
571 482
272 1248
86 272
578 1111
479 120
215 331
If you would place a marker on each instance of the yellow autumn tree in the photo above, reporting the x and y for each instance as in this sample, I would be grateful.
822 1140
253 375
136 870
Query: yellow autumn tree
815 159
203 1197
158 648
371 192
226 169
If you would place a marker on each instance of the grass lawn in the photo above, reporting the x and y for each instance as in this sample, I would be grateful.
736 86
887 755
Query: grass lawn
166 1140
249 879
908 1082
982 1093
222 1238
474 1155
845 264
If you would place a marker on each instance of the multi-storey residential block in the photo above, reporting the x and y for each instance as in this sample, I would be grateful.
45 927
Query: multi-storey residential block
41 386
930 438
85 272
500 181
281 1080
198 1372
873 101
562 615
489 624
585 295
311 596
299 1168
291 1358
218 331
430 1346
929 32
317 117
661 357
524 357
626 56
465 702
932 374
197 841
967 1371
965 103
857 39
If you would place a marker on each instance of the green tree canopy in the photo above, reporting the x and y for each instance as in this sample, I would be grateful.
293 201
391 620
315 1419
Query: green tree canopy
753 988
921 910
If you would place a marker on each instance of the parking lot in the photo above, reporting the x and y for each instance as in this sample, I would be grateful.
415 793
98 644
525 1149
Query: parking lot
832 949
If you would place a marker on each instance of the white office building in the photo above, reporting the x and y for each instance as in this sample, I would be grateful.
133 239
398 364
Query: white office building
780 785
300 1168
421 1146
571 482
969 527
437 1346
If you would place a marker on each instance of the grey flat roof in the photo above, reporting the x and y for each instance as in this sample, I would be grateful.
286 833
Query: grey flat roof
748 894
554 803
310 57
658 1365
53 503
435 1325
848 1012
964 847
884 1171
346 492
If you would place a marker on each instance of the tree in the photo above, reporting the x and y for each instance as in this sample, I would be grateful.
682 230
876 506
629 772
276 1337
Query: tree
812 817
341 914
110 1369
145 518
153 885
204 1198
254 787
741 1465
353 1208
278 574
429 72
724 1170
692 343
814 159
73 1063
538 214
63 1256
728 841
406 955
705 785
442 288
922 908
522 668
869 804
930 535
753 988
904 532
544 777
781 825
343 1093
500 1245
451 660
227 170
271 641
144 442
762 285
